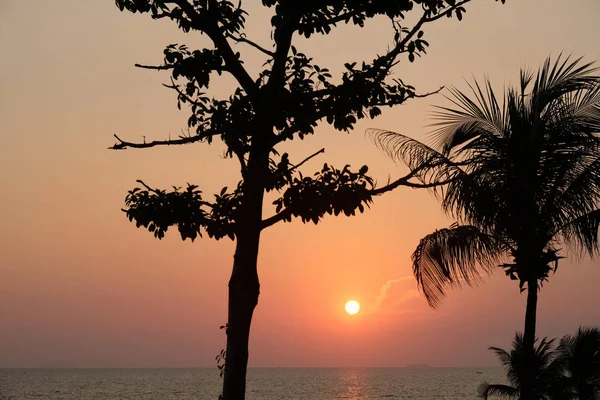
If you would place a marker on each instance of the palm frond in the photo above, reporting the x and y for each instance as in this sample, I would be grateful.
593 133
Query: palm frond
517 365
504 356
427 164
484 115
563 76
452 257
582 232
578 355
486 390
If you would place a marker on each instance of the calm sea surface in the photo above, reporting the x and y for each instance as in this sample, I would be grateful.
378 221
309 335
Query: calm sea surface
263 383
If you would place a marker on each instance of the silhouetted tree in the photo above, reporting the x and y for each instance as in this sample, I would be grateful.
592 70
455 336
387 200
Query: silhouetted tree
547 384
524 175
569 372
285 101
579 359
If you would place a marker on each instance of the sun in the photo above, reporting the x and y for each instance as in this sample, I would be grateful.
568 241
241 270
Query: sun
352 307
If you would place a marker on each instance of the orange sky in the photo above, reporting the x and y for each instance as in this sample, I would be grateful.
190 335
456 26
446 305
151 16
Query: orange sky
80 286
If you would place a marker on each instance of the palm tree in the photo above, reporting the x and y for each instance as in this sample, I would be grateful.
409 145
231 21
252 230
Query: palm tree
569 372
523 175
547 377
579 358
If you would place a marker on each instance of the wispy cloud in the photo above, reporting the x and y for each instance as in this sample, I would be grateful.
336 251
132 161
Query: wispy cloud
384 290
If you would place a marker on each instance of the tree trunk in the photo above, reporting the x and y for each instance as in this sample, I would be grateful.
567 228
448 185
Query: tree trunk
244 289
527 386
244 286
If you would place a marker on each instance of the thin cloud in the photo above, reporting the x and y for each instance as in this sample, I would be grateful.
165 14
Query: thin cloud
384 290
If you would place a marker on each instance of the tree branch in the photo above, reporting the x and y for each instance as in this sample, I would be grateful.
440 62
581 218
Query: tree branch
342 17
234 66
405 180
306 159
187 98
280 216
286 213
284 41
400 45
241 39
442 14
155 67
122 144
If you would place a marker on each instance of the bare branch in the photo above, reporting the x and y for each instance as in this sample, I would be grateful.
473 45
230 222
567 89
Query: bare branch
406 180
122 144
420 96
241 39
280 216
155 67
416 96
306 159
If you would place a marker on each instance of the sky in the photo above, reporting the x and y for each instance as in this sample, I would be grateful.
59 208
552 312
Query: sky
80 286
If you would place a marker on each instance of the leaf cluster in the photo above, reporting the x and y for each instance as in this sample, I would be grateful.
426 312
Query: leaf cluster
157 210
330 191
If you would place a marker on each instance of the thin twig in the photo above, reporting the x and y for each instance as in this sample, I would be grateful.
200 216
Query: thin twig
241 39
122 144
306 159
155 67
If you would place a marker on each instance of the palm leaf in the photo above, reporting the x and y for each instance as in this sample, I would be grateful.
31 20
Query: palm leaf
559 78
578 356
452 257
471 118
582 232
427 164
485 390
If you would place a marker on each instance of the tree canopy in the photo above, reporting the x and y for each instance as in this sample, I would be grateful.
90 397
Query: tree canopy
285 101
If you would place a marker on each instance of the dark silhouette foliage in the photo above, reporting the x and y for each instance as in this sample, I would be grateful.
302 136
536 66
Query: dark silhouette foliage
524 176
570 371
285 101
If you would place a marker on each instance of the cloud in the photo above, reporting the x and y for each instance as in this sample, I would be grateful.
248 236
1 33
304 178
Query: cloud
384 290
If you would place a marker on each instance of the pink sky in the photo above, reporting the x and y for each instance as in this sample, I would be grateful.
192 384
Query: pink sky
81 286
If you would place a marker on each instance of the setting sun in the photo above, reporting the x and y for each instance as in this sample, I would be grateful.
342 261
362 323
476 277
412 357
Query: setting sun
352 307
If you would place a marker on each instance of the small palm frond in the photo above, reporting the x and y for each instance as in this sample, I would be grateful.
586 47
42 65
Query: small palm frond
570 160
486 389
503 355
582 232
427 164
559 78
481 116
544 353
585 106
452 257
579 356
516 365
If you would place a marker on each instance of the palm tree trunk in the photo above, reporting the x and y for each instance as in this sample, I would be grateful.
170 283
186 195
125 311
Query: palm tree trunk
527 386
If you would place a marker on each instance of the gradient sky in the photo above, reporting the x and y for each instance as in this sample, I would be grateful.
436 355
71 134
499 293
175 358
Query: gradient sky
81 286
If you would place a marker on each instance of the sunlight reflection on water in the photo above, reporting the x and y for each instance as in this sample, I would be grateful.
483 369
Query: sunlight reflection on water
263 383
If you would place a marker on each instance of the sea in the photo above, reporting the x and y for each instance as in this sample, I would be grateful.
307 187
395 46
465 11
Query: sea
263 383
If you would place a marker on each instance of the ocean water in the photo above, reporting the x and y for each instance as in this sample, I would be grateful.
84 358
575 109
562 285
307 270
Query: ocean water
263 383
